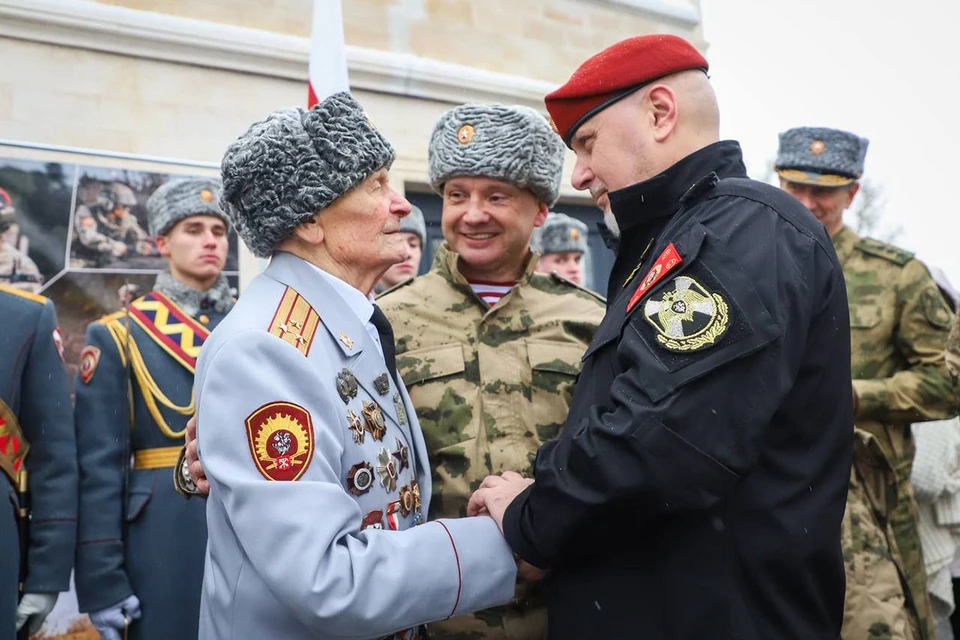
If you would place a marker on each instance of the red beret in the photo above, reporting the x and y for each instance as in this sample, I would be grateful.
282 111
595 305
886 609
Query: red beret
615 73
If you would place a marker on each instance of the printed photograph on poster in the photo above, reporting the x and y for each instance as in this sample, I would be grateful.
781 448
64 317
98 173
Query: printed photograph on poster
109 227
35 203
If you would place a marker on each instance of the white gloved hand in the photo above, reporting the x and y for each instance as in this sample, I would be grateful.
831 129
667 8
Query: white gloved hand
34 607
110 622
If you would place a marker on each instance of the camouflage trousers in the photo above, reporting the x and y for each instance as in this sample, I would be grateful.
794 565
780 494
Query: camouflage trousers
874 606
904 521
516 621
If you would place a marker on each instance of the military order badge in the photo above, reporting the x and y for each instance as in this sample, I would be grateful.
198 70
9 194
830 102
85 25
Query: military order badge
280 435
346 385
360 478
382 384
356 426
373 420
387 470
686 316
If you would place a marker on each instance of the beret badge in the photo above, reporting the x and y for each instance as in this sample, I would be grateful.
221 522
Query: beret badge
206 195
817 147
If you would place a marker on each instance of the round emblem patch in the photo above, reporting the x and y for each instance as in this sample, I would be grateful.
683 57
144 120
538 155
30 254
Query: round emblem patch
89 359
206 195
466 133
686 316
817 147
281 440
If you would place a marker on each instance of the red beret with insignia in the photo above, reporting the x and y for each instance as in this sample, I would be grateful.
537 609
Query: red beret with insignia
615 73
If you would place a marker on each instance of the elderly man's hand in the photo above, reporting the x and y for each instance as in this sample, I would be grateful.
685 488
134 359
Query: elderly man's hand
495 495
193 460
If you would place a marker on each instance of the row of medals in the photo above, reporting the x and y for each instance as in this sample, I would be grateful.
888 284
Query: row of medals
360 478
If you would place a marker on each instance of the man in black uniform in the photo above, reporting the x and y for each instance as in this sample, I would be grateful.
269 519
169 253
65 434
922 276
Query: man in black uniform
698 486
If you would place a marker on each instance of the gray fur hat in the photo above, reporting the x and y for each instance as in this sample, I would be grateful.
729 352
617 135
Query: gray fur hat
820 156
560 234
293 164
510 143
413 223
181 198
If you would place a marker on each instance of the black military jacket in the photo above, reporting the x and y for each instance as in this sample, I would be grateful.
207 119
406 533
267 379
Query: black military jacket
699 482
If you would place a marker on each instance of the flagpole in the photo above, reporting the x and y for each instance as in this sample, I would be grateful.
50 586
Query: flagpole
327 72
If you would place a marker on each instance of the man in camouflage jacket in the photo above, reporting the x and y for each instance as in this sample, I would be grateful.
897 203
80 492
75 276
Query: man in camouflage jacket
488 349
899 323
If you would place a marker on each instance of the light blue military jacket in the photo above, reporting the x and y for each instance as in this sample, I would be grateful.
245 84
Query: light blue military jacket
318 475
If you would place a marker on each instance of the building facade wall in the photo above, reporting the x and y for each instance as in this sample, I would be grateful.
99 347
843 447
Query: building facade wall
182 79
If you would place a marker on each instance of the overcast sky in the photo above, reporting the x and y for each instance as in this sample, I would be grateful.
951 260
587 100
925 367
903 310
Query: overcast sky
883 70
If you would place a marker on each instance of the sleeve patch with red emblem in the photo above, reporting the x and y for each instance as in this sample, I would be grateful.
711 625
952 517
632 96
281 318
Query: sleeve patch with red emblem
89 359
280 435
58 341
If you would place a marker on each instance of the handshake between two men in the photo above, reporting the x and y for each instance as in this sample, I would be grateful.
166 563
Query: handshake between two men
492 498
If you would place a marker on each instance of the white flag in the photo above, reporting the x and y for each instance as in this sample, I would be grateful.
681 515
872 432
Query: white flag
328 58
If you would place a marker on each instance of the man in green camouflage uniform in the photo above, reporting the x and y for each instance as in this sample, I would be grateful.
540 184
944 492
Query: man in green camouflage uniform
875 606
488 349
899 324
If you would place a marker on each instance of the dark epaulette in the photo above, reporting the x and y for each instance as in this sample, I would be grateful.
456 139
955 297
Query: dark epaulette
886 251
394 288
559 278
20 293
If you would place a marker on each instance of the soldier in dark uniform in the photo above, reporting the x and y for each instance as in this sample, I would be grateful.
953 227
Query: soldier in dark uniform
698 485
38 460
140 546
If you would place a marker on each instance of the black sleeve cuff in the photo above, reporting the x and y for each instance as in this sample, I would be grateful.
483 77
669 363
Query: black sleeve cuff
513 530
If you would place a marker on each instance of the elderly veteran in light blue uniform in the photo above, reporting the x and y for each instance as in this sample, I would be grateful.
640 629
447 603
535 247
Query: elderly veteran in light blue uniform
319 478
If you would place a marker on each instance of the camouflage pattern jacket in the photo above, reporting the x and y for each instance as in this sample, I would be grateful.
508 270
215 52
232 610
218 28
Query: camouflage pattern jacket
899 324
490 385
953 348
874 604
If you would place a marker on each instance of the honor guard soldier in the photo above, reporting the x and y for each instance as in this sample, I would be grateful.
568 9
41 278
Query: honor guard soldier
319 479
38 459
141 546
899 323
489 349
697 487
562 244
